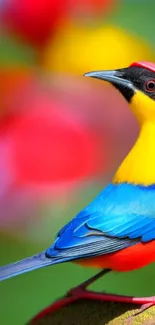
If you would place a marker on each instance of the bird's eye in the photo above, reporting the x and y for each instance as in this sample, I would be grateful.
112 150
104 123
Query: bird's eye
150 85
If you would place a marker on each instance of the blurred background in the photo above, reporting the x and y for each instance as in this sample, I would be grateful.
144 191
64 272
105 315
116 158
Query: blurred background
61 135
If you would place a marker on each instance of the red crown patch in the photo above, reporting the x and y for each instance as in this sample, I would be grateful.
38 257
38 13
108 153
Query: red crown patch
147 65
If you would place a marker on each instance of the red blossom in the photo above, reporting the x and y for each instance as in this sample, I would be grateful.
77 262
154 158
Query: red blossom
35 21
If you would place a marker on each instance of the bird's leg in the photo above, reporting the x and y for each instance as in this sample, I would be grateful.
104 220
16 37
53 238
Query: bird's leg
83 286
82 292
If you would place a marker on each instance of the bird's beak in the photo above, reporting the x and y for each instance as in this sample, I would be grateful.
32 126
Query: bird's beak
115 77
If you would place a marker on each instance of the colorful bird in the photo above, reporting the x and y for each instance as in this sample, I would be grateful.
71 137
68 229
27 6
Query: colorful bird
117 230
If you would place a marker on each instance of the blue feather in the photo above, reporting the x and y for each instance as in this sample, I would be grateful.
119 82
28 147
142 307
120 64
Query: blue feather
119 211
28 264
121 216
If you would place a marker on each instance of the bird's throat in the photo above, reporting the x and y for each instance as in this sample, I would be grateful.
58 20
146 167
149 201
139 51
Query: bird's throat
139 165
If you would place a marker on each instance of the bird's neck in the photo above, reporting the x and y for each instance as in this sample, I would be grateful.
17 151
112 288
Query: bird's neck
139 165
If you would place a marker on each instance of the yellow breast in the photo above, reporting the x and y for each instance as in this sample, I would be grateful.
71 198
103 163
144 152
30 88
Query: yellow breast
139 165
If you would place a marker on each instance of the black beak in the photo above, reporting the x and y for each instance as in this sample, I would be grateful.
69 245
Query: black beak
116 77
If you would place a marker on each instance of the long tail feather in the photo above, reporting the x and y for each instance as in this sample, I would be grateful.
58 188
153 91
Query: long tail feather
28 264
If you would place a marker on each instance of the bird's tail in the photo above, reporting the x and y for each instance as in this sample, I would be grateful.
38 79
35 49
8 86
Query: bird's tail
28 264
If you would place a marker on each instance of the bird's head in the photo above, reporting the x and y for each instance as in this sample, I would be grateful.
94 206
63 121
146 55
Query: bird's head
137 84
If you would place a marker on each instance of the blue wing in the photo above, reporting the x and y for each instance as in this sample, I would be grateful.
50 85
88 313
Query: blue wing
121 216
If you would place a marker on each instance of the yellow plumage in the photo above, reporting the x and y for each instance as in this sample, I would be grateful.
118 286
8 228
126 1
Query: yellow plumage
139 165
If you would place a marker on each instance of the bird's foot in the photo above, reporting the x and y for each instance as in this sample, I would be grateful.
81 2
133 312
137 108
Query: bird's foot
145 303
82 292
